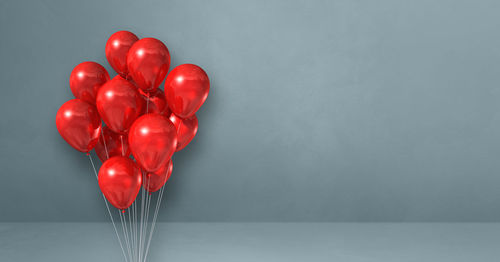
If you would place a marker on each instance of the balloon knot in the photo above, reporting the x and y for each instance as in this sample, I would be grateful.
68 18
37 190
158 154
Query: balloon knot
149 193
88 153
123 211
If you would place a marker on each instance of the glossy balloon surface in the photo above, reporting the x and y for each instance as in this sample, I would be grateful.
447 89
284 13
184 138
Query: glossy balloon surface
155 180
157 102
117 48
86 79
111 144
119 104
152 140
186 89
186 129
120 180
79 124
148 61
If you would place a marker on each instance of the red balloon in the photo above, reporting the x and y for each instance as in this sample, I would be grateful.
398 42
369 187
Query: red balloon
155 180
120 180
79 124
157 102
186 129
119 104
111 144
117 48
86 79
152 140
148 61
186 89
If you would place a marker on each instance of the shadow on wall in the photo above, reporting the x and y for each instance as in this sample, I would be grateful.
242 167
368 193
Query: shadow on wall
191 152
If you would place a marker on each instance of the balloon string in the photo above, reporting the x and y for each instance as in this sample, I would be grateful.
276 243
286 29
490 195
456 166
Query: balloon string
104 141
135 230
142 218
146 216
131 239
132 229
155 217
124 226
148 202
111 216
139 222
121 139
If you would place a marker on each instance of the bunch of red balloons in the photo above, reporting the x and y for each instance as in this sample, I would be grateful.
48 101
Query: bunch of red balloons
140 119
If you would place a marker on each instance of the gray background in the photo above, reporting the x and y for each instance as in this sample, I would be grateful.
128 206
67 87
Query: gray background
318 110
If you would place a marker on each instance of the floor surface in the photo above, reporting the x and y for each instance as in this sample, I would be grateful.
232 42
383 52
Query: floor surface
352 242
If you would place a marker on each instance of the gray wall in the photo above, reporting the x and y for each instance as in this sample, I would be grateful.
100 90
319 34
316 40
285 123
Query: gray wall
318 111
